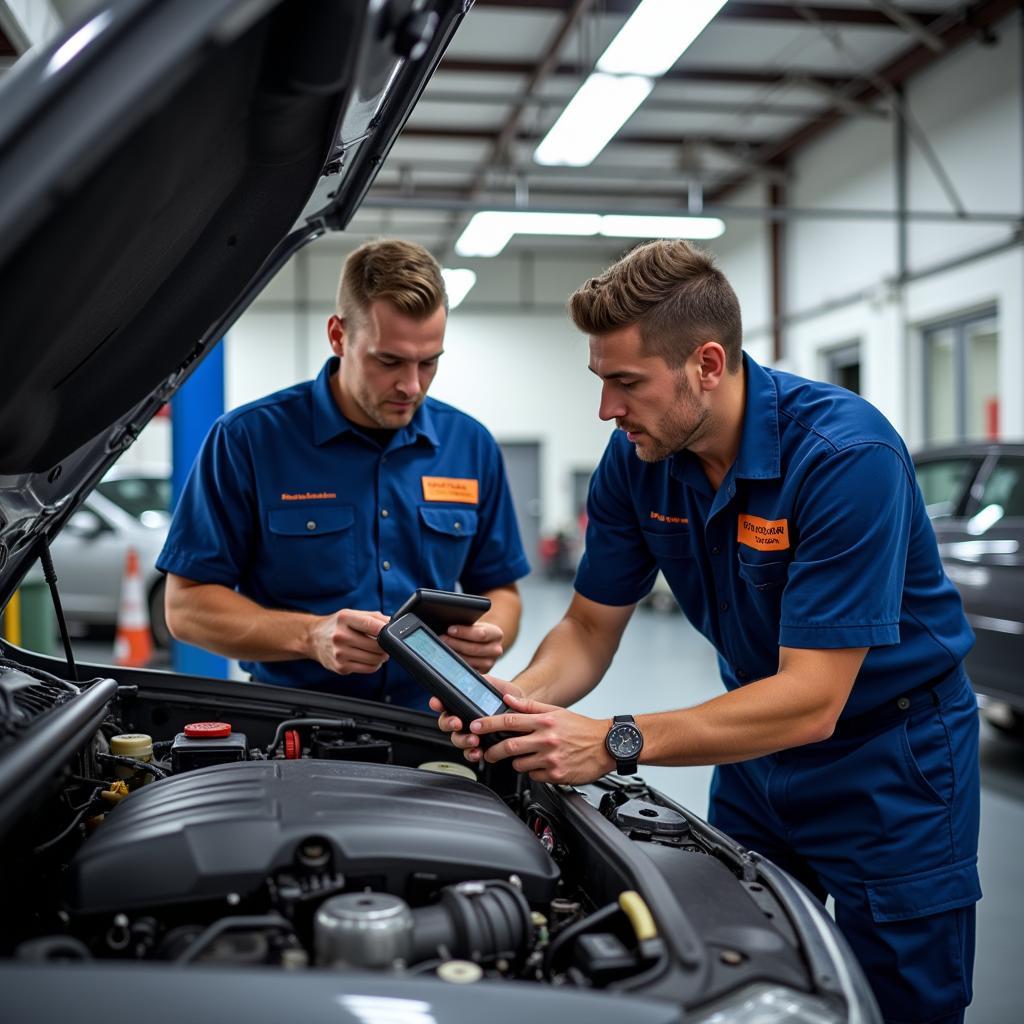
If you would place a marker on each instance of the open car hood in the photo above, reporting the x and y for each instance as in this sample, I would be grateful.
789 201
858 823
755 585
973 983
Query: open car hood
156 169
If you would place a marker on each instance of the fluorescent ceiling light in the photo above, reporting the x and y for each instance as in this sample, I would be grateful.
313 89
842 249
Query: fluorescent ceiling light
601 106
651 41
656 35
457 283
491 230
632 226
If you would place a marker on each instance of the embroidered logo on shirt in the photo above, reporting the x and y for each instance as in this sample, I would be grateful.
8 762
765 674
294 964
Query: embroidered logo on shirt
448 488
763 534
309 496
668 519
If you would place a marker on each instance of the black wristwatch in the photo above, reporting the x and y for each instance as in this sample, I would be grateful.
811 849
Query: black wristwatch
624 742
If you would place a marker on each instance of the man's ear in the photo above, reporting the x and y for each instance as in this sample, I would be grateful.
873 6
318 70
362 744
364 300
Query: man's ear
336 335
711 365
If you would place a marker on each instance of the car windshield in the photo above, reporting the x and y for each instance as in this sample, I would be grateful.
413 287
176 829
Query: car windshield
144 497
943 482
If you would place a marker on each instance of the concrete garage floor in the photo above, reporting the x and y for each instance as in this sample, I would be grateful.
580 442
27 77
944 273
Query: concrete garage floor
663 663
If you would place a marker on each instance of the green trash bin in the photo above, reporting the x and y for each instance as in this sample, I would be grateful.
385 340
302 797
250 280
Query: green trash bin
38 622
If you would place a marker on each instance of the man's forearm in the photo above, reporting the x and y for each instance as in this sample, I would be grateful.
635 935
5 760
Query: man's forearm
221 620
776 713
568 664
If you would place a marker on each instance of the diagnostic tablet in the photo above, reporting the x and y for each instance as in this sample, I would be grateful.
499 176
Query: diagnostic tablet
440 609
462 690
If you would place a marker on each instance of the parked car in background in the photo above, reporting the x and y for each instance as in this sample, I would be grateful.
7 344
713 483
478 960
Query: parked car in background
975 497
129 508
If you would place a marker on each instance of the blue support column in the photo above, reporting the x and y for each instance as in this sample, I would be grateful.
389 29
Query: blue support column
193 410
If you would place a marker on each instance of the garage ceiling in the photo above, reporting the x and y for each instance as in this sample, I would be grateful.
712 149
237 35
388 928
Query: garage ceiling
763 79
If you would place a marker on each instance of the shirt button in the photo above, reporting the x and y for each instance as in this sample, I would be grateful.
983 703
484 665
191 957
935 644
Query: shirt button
458 525
740 674
716 550
387 699
385 513
724 606
386 565
311 525
383 459
903 703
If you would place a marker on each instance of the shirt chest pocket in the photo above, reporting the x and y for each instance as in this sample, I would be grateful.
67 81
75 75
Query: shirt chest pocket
311 550
668 547
766 576
446 535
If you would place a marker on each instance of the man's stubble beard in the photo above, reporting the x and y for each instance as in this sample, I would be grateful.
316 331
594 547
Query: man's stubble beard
674 433
379 416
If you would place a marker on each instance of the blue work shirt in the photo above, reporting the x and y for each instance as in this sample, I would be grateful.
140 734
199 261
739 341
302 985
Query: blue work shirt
294 507
816 538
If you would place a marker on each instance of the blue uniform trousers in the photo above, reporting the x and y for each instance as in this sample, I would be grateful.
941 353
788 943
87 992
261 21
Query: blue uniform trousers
884 817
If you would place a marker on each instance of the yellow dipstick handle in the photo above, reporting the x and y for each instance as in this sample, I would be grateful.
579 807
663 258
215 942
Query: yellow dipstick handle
634 907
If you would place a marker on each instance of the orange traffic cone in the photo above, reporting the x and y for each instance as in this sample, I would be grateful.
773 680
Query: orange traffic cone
133 645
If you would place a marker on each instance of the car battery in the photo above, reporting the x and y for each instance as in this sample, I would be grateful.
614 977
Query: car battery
206 743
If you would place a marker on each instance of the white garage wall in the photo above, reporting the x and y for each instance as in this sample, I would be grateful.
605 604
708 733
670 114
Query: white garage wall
969 106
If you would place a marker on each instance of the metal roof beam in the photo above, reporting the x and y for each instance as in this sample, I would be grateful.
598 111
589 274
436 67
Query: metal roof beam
380 199
754 108
909 24
709 76
738 11
531 138
959 26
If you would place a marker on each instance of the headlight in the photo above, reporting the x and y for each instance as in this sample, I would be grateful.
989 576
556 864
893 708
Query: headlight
770 1004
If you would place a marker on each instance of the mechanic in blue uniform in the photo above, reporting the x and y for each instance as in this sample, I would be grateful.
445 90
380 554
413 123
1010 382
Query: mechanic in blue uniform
787 520
312 514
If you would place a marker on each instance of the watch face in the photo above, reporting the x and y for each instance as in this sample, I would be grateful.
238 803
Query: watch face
624 741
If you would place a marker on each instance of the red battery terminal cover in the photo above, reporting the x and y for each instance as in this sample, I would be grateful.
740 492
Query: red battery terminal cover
292 745
207 730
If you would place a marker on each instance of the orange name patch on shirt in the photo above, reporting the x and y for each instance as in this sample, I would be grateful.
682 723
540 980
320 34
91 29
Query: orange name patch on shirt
449 488
309 496
763 534
662 518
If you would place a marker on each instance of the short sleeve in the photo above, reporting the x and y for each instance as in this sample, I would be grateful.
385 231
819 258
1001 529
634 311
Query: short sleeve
845 584
211 535
496 557
617 568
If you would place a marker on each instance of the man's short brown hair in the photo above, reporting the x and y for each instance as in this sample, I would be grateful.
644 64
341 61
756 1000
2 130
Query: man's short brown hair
402 273
673 292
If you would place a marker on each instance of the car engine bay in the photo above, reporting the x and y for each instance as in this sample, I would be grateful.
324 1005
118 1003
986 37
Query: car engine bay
281 835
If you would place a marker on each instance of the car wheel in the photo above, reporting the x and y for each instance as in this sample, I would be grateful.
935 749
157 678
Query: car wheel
157 619
1006 719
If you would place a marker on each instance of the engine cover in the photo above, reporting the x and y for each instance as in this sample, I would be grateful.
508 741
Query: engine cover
226 828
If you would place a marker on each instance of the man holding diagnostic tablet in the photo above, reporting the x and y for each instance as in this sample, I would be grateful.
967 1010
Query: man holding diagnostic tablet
786 517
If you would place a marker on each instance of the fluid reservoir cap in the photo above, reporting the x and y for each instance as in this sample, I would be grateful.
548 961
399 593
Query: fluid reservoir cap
449 768
207 730
460 972
132 744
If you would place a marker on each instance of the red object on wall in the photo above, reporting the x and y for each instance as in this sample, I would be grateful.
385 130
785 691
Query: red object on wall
992 419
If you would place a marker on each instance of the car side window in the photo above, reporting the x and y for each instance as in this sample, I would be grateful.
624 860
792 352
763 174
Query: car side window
944 484
1004 487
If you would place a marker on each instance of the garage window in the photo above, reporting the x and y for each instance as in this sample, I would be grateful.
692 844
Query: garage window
962 379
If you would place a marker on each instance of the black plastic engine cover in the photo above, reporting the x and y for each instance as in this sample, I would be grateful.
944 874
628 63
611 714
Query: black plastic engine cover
225 829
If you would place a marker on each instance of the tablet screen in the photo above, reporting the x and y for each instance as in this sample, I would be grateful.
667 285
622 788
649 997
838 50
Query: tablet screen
436 655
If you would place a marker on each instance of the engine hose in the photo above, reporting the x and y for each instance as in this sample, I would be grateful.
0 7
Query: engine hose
572 931
227 924
131 762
